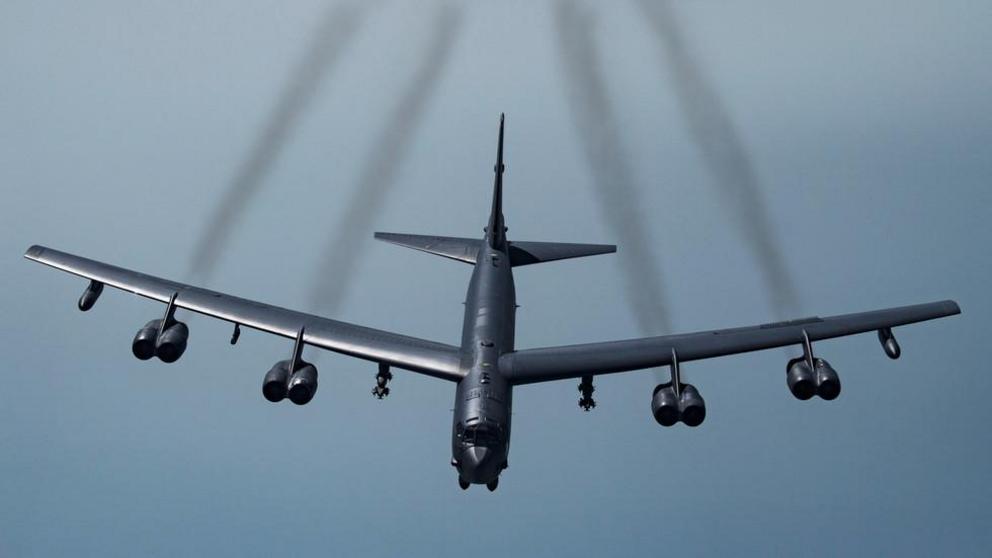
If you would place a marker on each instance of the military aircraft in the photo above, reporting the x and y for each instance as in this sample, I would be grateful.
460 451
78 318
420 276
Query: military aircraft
486 366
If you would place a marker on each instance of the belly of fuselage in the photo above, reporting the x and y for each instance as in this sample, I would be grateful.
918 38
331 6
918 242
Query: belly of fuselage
481 433
481 427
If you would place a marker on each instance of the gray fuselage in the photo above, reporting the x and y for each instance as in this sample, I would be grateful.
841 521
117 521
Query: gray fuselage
480 438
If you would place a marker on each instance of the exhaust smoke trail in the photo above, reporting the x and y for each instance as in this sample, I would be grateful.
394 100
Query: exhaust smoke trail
336 269
334 31
617 195
724 154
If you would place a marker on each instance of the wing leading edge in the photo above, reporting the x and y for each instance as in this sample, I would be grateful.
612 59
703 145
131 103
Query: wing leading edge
574 361
410 353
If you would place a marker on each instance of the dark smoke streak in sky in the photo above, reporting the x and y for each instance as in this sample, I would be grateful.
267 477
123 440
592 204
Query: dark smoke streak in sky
724 154
336 269
334 31
618 197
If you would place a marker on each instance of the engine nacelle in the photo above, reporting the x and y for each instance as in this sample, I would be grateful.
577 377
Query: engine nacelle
665 405
303 384
275 385
145 340
172 343
800 378
827 380
669 408
692 408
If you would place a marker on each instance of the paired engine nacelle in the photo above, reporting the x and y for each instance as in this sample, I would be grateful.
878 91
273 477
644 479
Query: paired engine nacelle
168 346
165 338
299 386
669 407
805 382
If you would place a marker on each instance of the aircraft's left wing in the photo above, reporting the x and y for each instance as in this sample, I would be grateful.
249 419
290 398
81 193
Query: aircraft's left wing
417 355
574 361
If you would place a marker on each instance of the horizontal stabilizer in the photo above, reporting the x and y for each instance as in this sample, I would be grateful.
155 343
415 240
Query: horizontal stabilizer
521 253
461 249
526 253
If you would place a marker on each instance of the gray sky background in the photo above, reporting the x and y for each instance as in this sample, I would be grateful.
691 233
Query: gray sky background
871 132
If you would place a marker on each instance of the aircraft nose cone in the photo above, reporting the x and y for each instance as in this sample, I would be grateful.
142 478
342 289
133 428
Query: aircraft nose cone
479 464
476 456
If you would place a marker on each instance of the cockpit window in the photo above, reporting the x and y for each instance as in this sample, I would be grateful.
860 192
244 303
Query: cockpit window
481 435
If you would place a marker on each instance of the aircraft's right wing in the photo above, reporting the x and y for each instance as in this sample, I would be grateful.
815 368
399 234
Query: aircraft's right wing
417 355
557 363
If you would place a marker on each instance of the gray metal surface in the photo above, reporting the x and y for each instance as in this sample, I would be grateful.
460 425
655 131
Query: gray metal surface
486 366
480 439
521 252
526 252
417 355
461 249
556 363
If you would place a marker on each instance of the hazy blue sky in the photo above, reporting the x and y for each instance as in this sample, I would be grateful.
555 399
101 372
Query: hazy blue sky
870 128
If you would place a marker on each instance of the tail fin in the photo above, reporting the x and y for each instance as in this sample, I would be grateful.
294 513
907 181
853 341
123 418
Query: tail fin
520 253
496 229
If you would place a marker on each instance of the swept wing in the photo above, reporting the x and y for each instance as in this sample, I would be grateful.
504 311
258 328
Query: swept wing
417 355
573 361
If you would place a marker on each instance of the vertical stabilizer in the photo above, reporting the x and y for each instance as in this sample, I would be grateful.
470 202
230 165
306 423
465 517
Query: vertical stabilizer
495 229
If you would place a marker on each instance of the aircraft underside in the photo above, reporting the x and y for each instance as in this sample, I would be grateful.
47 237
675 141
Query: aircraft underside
486 366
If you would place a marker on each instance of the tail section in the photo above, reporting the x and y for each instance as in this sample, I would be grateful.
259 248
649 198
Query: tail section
526 253
521 253
461 249
496 229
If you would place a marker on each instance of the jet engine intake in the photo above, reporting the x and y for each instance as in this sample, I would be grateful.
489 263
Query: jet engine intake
303 384
172 343
665 405
669 408
827 380
275 385
145 340
692 408
800 378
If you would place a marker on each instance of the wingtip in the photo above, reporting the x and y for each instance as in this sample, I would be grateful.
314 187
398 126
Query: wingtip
34 252
952 307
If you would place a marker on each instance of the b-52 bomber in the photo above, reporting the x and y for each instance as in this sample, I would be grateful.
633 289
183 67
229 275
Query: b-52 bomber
485 367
